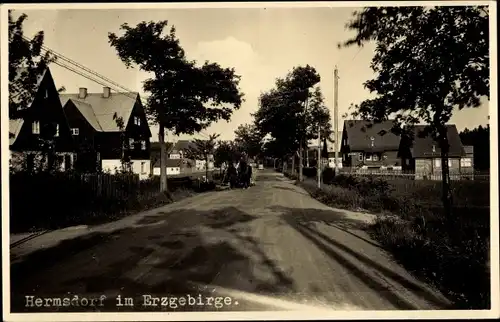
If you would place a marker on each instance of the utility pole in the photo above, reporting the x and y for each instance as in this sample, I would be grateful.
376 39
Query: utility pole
336 116
318 165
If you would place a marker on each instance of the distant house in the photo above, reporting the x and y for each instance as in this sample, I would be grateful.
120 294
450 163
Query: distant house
100 140
179 151
421 153
173 166
42 119
370 147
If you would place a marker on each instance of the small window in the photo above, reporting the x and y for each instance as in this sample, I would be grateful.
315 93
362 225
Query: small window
35 127
131 143
466 162
143 145
57 130
143 167
437 163
75 131
433 148
375 157
360 157
368 157
137 120
450 163
46 93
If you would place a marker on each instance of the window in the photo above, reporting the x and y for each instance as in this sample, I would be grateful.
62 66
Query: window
137 120
131 143
368 157
35 127
75 131
375 157
143 166
57 130
143 144
437 163
433 148
466 162
46 93
360 157
450 163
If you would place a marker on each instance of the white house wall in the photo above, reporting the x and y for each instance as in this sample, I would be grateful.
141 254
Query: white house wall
170 171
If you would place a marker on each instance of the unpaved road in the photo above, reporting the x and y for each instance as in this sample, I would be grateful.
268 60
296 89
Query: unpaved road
271 247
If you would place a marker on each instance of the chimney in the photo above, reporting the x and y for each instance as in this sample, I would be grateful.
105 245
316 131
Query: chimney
82 93
106 92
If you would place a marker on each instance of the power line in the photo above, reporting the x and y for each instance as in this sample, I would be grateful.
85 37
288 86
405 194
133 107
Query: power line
94 73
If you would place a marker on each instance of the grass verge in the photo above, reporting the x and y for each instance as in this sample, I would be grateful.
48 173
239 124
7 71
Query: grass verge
452 255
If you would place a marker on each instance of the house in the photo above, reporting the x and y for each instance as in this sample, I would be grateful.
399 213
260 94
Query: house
183 164
421 154
101 140
41 120
180 151
367 145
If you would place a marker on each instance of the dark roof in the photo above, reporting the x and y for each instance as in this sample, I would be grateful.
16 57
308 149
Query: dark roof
173 163
15 125
469 149
422 147
99 110
155 146
360 135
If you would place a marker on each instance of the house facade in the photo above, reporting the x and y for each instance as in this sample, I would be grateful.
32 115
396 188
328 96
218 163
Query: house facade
109 127
180 151
42 124
370 146
421 154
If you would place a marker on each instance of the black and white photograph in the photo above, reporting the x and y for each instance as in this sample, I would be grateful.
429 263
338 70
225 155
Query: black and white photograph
265 160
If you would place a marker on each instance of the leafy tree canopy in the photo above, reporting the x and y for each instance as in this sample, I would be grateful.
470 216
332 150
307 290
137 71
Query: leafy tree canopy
249 139
283 112
184 97
428 61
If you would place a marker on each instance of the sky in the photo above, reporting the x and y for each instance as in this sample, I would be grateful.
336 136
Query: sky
260 43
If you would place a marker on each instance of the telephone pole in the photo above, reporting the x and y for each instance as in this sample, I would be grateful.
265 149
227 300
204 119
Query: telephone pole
336 115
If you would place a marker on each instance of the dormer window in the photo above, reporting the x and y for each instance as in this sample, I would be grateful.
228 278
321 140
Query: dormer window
137 120
35 127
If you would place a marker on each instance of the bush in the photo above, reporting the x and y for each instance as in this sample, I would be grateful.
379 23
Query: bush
310 172
328 175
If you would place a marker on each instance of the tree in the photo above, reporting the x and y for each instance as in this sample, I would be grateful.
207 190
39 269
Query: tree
479 138
428 61
290 113
249 139
184 98
27 63
226 152
202 149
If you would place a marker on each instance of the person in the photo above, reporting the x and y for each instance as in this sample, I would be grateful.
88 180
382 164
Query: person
249 175
243 173
232 173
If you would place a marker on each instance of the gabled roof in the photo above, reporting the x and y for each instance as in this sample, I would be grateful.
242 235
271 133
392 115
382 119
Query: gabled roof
121 103
87 112
20 71
182 145
155 146
360 135
422 146
15 125
14 129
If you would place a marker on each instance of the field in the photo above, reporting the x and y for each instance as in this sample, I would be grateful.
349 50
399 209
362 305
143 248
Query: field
450 253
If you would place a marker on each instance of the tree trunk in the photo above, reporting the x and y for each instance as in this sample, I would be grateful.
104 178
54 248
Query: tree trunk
163 160
447 196
300 161
293 165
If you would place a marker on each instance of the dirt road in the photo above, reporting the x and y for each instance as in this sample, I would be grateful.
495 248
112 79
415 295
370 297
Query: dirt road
271 247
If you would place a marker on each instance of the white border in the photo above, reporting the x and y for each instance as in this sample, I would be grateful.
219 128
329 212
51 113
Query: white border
289 315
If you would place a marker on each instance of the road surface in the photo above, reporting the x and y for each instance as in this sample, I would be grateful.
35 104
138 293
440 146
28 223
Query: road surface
271 247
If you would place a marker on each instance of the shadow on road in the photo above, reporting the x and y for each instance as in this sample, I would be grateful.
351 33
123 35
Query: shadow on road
302 220
165 254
